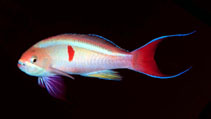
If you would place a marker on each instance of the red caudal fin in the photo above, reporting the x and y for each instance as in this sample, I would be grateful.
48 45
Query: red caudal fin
143 58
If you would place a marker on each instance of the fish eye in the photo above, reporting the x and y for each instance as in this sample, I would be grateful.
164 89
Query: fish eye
33 59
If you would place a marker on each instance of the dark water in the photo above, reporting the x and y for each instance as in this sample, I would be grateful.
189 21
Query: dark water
129 25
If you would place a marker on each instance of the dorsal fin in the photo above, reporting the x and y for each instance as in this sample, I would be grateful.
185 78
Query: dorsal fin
91 37
102 40
89 41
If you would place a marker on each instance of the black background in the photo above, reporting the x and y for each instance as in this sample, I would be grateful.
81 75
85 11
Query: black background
130 25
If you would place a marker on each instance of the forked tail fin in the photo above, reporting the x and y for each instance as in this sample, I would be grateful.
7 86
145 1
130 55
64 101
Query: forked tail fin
143 58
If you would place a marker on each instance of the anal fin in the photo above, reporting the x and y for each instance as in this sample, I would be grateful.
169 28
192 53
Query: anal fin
104 74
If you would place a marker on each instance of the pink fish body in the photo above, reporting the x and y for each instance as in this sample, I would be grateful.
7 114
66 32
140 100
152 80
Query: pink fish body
79 54
87 55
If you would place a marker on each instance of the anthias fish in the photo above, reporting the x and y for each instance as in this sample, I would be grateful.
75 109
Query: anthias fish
86 55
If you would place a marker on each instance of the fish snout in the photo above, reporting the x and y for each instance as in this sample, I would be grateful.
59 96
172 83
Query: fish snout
21 64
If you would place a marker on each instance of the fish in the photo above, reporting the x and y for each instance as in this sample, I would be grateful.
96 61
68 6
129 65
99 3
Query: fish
88 55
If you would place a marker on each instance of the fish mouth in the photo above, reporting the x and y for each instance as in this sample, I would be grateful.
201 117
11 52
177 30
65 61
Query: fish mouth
25 64
30 69
21 63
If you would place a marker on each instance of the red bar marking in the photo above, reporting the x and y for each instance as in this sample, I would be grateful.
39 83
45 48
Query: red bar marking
70 52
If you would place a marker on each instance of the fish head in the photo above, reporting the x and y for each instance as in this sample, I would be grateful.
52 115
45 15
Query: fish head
35 62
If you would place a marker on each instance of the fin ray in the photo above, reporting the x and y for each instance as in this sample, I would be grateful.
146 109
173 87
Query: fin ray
54 85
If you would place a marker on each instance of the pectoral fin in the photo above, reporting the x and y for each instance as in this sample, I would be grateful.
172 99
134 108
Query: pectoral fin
59 72
54 85
104 74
